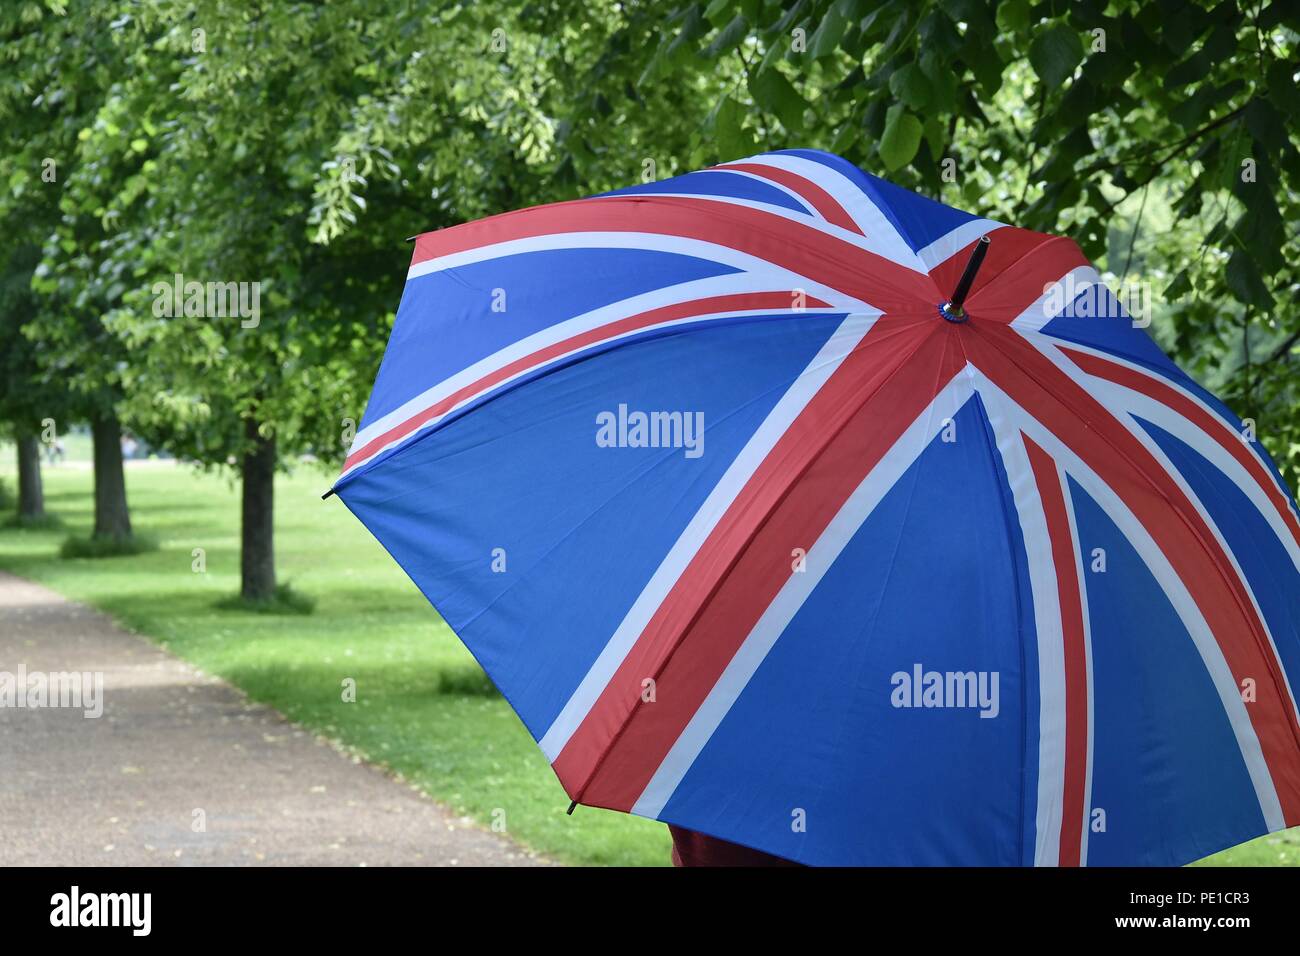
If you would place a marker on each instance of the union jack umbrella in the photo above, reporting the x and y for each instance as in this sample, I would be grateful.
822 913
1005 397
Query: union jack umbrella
769 525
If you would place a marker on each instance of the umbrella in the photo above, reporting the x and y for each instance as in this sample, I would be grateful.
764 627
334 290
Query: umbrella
791 507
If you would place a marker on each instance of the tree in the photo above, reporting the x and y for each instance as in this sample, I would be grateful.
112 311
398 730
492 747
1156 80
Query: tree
228 160
68 360
22 405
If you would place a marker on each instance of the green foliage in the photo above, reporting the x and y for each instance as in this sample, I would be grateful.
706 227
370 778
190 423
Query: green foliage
467 682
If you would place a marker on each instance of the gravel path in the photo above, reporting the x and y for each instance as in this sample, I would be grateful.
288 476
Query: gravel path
175 748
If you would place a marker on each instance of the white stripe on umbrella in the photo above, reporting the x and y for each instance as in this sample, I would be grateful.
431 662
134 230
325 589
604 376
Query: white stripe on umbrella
1050 638
620 239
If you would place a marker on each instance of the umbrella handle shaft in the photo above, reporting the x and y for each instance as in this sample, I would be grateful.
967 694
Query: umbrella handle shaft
972 266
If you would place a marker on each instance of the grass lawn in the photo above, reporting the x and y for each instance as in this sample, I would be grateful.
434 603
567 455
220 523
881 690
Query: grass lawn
424 709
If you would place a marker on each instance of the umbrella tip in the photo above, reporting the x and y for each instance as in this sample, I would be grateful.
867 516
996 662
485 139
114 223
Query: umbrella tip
327 494
572 804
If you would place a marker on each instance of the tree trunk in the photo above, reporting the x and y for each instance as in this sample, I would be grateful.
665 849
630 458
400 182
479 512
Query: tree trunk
257 551
112 519
31 498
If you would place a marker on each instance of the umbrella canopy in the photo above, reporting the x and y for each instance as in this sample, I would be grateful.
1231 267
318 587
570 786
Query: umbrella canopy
761 536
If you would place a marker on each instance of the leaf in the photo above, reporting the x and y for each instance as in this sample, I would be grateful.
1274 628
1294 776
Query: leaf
729 135
716 12
974 13
1013 16
1264 123
694 26
1245 282
773 92
910 85
901 139
1194 110
1221 44
1260 229
874 22
1181 286
1282 89
1054 54
937 34
729 37
936 136
1191 70
987 67
829 34
943 81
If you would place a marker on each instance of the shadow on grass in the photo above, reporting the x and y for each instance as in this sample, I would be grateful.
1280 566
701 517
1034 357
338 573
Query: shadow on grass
79 546
45 522
303 690
285 600
23 563
466 680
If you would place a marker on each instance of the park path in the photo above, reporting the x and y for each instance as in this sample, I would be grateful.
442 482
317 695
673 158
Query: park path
123 789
